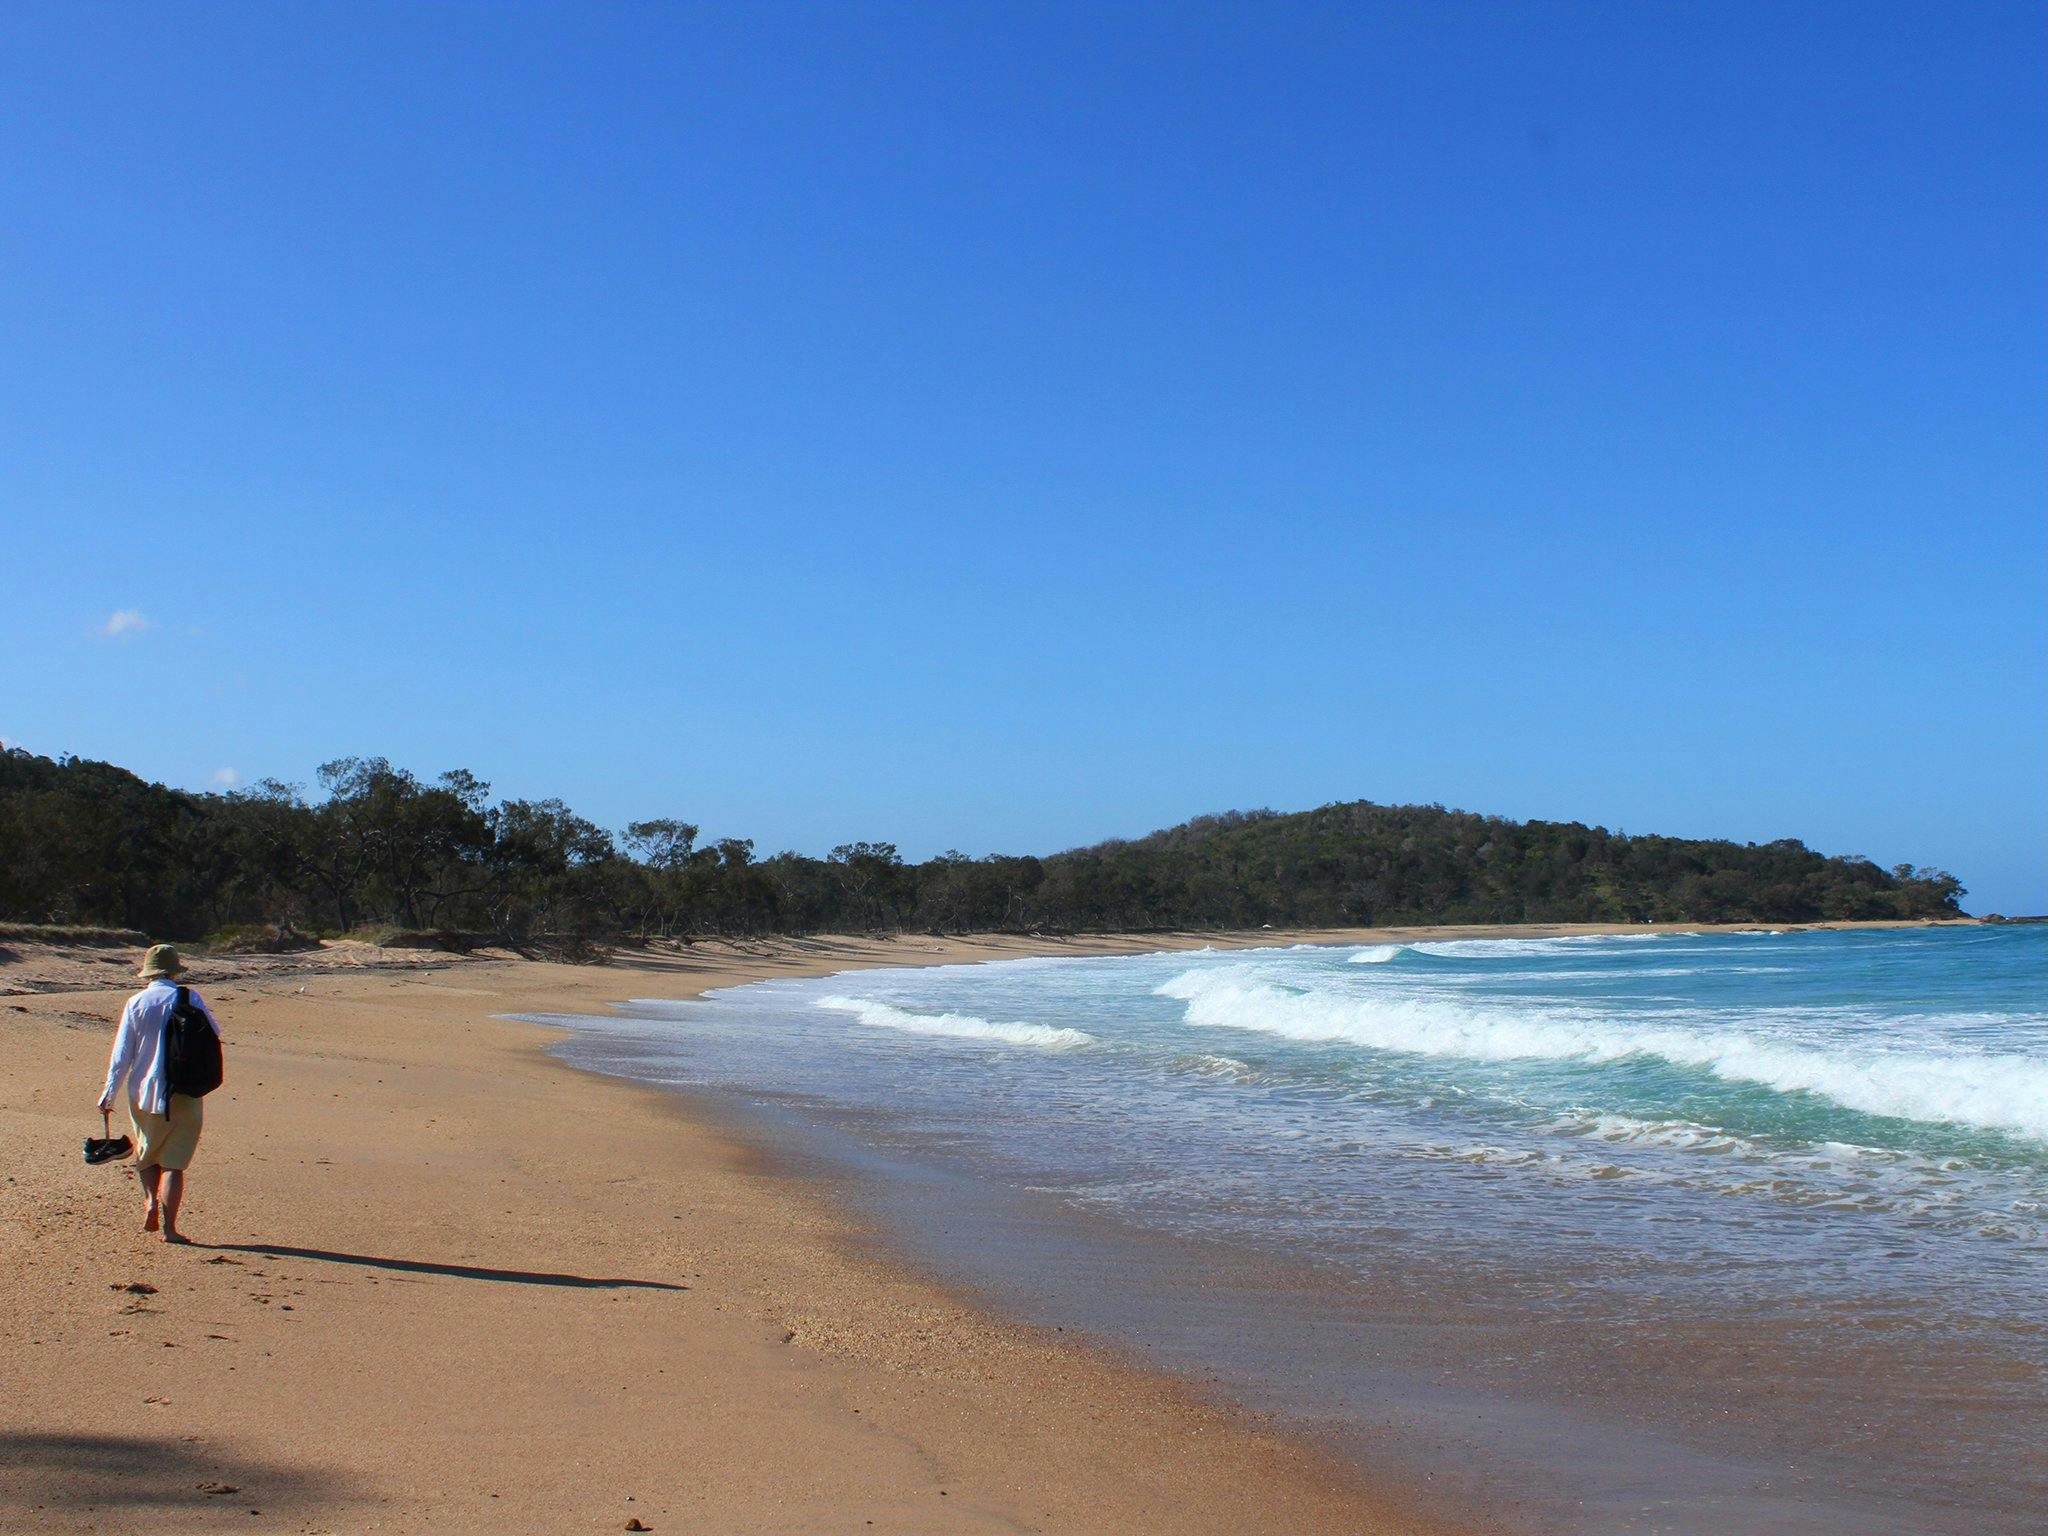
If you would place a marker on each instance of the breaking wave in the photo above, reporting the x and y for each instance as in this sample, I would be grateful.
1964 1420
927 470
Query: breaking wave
1503 949
1500 949
957 1026
2001 1092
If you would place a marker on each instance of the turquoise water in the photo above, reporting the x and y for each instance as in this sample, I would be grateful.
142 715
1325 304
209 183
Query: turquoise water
1823 1090
1821 1129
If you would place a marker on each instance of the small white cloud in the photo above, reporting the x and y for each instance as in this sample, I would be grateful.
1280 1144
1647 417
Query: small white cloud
224 778
124 622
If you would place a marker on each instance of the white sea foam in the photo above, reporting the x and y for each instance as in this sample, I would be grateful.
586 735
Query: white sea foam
1490 949
1993 1091
1503 949
957 1026
1376 954
1630 1130
1227 1068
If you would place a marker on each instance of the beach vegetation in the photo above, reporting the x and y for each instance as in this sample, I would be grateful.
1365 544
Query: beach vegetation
380 853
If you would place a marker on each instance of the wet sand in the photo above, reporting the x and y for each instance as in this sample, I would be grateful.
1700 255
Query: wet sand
438 1280
1612 1391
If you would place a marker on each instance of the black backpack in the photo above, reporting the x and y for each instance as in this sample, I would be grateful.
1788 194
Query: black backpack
192 1063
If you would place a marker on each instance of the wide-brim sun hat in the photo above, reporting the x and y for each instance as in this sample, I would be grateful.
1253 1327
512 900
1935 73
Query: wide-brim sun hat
162 960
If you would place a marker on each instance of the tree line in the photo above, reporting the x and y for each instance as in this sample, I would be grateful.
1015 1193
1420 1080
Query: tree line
377 849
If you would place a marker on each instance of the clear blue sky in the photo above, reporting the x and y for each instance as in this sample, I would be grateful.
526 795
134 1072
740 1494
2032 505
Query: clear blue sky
1004 427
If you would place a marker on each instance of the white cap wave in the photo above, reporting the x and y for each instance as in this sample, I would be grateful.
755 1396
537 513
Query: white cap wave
1997 1092
957 1026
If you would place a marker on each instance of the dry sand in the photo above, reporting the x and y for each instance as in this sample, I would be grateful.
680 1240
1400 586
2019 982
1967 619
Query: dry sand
440 1281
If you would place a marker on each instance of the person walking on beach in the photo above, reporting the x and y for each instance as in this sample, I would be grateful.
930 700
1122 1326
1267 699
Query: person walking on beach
157 1053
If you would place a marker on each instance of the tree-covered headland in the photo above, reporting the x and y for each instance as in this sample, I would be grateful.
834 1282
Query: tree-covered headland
377 848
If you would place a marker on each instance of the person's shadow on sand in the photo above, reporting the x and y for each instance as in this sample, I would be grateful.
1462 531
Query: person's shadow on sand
71 1475
458 1271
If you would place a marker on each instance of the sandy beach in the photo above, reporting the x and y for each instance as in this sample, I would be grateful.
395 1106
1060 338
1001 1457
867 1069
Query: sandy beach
439 1279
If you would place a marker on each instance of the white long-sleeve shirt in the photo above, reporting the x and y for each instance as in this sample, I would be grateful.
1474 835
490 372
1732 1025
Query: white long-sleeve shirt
139 1045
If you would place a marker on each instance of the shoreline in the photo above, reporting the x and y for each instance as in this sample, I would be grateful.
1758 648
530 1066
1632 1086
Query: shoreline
39 961
428 1285
1572 1417
410 1145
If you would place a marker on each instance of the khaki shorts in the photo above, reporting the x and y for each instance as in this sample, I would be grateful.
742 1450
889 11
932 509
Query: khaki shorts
169 1140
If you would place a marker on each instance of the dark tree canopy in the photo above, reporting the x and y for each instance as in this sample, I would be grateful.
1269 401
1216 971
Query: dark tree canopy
88 843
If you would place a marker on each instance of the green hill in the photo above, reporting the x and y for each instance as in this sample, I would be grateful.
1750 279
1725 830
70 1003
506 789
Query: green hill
1361 863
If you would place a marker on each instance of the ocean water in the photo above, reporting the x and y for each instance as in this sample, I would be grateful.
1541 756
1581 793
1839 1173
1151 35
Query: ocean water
1784 1193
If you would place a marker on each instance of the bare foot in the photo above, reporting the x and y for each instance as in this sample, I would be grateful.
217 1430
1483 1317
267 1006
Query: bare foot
149 1217
176 1237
